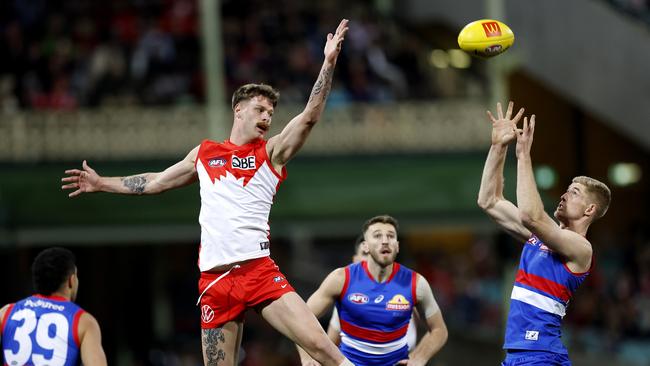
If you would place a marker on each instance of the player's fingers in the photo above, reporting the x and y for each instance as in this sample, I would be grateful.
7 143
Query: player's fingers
73 171
75 193
525 124
491 117
87 167
532 124
343 24
73 178
499 111
518 116
509 111
70 186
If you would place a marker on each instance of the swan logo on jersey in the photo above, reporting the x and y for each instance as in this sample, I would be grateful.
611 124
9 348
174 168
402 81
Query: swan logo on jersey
277 279
398 302
358 298
245 163
207 314
217 162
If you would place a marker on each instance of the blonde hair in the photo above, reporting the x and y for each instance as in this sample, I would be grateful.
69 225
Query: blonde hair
598 191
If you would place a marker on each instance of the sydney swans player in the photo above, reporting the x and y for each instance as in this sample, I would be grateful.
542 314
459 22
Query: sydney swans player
238 180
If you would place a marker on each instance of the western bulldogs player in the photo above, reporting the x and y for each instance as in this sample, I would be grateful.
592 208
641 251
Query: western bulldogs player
238 180
555 258
334 326
375 300
47 328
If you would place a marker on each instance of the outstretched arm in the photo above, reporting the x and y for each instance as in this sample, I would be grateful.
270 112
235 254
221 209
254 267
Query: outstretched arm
436 336
87 180
284 146
490 196
322 300
90 337
573 246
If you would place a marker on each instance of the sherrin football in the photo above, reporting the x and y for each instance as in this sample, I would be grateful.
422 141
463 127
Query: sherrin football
486 38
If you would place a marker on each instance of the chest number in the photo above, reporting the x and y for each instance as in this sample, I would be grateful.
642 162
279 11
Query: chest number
51 335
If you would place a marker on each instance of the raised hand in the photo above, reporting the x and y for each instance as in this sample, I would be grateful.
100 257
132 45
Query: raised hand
525 137
334 41
504 129
84 181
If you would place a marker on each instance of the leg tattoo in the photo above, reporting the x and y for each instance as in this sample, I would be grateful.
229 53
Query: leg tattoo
213 352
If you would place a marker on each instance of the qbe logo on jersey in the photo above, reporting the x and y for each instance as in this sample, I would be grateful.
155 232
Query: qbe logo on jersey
246 163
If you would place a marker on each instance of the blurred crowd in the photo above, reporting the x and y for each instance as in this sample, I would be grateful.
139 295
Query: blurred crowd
637 8
66 54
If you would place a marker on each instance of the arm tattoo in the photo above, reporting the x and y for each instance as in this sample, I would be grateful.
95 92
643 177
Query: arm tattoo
323 84
211 339
135 184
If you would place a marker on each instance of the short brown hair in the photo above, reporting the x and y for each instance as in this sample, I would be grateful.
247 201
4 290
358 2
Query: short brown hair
249 91
384 219
598 192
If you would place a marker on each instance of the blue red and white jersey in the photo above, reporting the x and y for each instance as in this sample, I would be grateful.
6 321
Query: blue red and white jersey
41 330
541 293
238 184
375 316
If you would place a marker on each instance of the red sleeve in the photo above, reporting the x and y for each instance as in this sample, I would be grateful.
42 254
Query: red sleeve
3 321
346 283
414 286
75 327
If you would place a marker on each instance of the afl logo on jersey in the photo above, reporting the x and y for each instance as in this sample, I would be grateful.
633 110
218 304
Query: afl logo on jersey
207 314
217 162
358 298
398 302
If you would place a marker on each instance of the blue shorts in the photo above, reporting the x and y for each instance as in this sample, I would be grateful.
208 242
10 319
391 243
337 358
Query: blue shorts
535 358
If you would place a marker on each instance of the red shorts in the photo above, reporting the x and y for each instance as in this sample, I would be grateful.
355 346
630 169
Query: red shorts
244 287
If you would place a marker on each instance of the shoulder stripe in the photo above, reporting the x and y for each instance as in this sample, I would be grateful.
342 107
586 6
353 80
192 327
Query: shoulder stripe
346 283
3 321
414 287
75 327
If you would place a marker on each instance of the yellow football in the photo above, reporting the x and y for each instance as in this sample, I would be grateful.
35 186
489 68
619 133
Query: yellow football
486 38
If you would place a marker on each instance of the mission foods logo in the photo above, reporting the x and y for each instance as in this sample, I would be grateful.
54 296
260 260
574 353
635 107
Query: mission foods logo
398 302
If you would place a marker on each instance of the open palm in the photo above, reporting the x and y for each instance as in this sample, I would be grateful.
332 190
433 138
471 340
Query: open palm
504 128
334 41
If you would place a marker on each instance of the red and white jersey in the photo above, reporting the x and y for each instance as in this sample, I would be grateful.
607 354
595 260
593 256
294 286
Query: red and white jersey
238 184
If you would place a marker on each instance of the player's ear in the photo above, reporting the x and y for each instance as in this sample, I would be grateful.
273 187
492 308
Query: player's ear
364 247
591 210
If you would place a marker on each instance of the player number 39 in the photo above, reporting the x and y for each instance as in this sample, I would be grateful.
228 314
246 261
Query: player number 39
57 342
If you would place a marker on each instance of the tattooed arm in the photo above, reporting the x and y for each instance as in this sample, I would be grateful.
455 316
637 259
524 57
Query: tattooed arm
87 180
283 147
